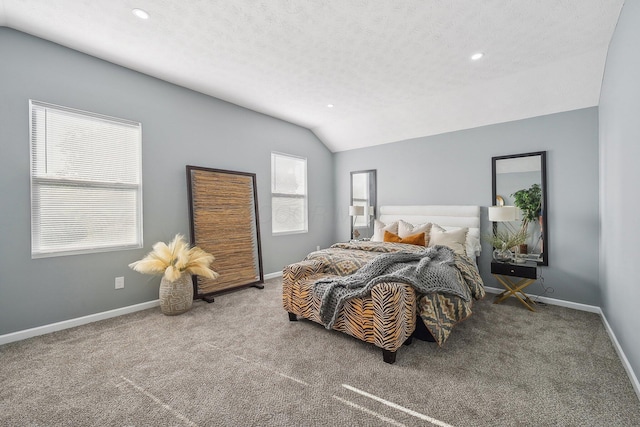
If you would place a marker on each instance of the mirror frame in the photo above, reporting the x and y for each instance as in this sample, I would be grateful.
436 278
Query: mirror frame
372 196
545 204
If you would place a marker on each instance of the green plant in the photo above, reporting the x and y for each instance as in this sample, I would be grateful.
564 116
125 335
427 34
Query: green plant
529 201
506 239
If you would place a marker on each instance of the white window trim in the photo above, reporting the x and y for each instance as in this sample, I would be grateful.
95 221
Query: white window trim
292 196
68 182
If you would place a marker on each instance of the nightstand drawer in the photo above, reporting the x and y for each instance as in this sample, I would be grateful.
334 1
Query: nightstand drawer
506 269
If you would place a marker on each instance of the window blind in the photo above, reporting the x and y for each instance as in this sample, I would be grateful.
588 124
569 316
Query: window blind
288 194
86 181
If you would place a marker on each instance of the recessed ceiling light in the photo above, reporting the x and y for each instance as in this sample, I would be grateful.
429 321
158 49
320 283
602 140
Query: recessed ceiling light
477 56
140 13
329 105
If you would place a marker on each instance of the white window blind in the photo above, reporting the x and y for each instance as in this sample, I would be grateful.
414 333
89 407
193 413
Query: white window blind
86 182
288 194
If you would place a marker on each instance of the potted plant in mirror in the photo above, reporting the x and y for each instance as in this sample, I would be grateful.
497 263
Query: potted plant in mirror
177 262
529 201
503 241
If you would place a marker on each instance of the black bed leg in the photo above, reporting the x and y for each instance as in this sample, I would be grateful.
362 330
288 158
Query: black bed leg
292 317
389 356
408 341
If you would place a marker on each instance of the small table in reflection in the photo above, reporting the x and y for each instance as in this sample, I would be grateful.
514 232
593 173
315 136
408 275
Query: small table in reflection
504 272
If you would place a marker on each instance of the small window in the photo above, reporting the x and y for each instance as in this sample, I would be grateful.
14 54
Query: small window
288 194
86 182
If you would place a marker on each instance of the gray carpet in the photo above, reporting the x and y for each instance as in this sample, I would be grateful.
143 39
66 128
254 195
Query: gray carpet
240 362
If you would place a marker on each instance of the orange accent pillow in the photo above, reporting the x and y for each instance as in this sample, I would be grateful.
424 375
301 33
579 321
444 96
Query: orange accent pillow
414 239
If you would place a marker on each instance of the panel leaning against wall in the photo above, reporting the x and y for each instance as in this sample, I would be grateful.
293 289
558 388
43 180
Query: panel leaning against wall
223 210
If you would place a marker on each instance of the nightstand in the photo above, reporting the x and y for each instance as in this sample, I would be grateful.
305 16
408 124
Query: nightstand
504 272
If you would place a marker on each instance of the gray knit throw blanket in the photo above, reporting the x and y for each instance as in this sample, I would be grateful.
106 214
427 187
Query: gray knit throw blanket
427 271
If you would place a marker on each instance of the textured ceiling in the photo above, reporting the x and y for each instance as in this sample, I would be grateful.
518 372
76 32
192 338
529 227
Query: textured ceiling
393 69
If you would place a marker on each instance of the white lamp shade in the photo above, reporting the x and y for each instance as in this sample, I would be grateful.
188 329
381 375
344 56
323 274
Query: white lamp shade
356 210
502 213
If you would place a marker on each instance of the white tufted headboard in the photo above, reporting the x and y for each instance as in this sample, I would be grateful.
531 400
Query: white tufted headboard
448 217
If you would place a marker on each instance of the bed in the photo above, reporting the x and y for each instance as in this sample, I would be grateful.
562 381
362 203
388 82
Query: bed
391 308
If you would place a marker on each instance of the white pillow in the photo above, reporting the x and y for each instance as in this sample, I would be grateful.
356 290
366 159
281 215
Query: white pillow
405 229
472 243
380 227
455 239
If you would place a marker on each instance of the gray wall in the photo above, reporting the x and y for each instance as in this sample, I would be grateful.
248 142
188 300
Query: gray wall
183 127
180 127
619 154
455 168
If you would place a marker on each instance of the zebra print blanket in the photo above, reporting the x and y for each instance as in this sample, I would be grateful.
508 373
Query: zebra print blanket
429 270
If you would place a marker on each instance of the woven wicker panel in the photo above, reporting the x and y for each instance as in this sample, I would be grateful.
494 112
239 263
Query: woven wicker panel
224 223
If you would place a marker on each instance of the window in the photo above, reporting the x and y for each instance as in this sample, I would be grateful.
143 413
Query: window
86 174
288 194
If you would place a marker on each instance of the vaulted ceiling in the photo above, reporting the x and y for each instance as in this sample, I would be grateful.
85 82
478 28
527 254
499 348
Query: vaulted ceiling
391 69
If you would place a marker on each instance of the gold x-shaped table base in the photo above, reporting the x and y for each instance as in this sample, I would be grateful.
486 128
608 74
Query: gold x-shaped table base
514 288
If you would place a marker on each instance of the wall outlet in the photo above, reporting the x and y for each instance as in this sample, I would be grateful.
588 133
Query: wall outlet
318 248
119 282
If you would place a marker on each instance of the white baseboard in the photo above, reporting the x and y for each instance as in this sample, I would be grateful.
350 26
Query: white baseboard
41 330
553 301
71 323
66 324
273 275
592 309
625 362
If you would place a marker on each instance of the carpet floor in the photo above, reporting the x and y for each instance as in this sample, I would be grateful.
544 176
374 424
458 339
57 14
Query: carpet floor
240 362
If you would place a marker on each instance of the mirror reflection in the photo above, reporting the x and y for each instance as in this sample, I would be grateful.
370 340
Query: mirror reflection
362 209
520 180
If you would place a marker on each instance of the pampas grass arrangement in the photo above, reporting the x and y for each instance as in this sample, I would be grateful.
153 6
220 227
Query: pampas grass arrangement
175 259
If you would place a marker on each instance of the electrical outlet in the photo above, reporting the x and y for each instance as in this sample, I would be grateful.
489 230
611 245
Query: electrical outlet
119 282
318 248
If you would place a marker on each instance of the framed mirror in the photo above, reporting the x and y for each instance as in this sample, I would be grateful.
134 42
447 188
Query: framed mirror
521 180
362 208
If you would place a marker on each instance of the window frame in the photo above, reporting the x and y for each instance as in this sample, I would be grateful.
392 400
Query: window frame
38 182
305 196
